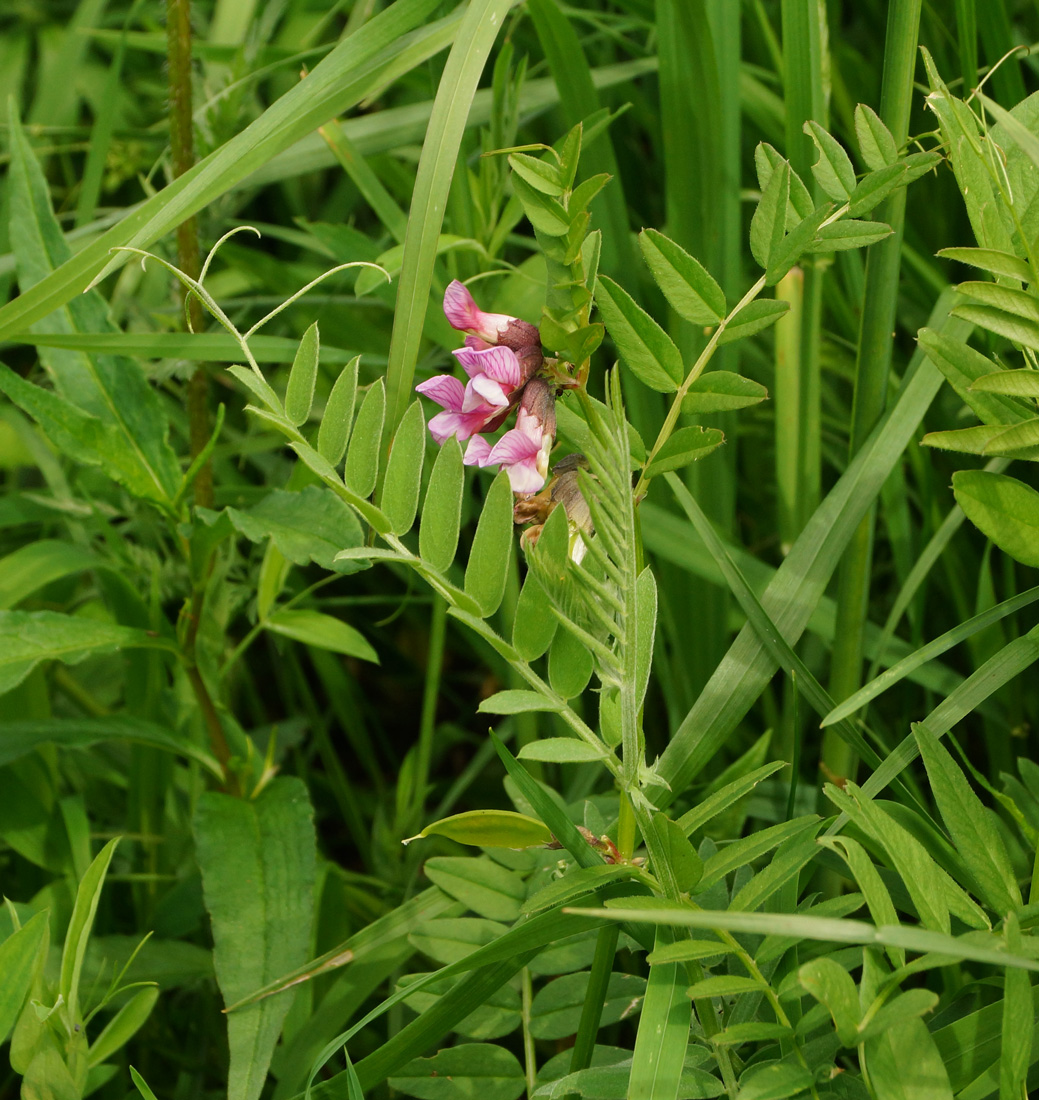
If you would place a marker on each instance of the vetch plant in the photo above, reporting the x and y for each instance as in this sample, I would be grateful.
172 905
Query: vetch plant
460 738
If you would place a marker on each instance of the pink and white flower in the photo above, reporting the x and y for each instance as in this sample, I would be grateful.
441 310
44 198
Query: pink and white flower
487 329
495 374
524 451
465 412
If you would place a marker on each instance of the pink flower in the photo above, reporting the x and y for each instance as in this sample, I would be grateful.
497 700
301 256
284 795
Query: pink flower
524 451
465 412
464 314
495 375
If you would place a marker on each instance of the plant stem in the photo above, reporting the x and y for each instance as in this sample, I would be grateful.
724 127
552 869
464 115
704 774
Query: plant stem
430 694
182 150
872 369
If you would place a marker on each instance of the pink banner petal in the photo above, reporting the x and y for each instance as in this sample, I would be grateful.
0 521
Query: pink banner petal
459 308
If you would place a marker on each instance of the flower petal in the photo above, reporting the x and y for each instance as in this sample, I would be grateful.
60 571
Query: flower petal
485 389
477 451
515 446
460 310
445 390
524 478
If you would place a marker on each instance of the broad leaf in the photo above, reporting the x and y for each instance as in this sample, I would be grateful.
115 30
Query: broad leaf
258 860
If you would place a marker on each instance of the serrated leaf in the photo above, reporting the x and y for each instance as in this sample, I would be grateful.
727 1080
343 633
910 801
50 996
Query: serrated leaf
561 750
754 317
833 170
685 282
1004 264
321 631
876 144
299 393
722 391
362 456
768 223
442 508
685 446
644 346
490 829
491 553
873 188
795 244
400 490
1004 509
337 419
766 161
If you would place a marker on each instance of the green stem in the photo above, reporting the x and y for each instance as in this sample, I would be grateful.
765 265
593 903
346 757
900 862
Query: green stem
530 1066
430 695
872 369
595 996
182 151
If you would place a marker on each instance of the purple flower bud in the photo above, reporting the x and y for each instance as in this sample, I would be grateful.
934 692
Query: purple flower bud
464 314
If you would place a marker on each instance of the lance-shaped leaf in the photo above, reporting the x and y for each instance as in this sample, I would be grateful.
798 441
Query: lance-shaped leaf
722 391
684 280
258 859
489 829
322 631
833 170
876 144
400 490
337 419
442 509
768 224
644 346
362 458
299 394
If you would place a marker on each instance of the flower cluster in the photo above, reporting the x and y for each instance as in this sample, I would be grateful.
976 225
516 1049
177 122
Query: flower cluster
501 358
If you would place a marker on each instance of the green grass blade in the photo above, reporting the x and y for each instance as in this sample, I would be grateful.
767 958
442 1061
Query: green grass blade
936 648
796 588
873 364
476 34
1009 662
355 68
663 1035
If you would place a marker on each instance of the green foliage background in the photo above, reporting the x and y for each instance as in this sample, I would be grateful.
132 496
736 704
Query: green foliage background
254 624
